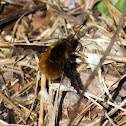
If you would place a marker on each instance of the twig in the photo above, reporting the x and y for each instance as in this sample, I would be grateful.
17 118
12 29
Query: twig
15 26
114 110
32 106
41 113
110 120
17 14
35 47
16 71
12 104
22 89
88 95
99 64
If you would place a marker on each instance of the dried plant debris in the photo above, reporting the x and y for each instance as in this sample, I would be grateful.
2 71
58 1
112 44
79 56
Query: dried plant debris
29 28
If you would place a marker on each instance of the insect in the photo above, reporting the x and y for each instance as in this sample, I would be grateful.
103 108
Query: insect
57 60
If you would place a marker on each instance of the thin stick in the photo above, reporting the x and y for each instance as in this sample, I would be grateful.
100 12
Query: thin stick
22 89
12 104
41 113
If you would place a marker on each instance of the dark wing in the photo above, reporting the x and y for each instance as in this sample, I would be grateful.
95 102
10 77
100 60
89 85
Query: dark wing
69 70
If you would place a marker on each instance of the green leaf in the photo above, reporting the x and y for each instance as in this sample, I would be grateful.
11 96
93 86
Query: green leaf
119 4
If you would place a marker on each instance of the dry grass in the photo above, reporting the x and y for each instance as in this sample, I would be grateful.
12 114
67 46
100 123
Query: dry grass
24 99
